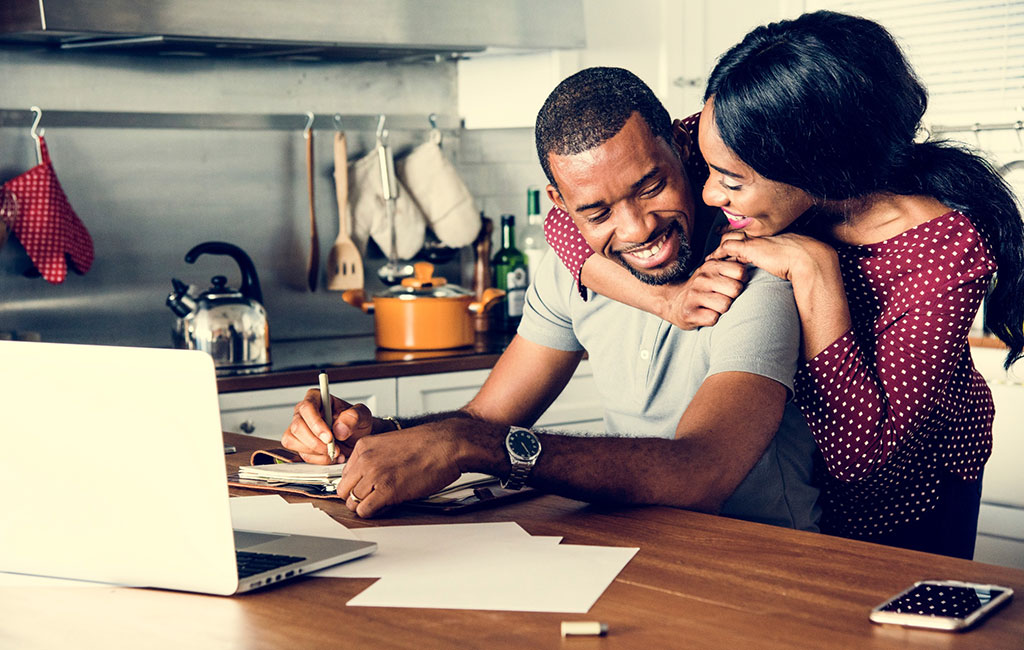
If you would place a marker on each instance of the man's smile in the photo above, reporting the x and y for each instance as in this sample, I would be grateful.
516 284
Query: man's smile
654 253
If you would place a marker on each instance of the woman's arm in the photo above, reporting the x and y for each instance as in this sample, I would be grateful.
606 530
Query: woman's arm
698 302
866 401
812 267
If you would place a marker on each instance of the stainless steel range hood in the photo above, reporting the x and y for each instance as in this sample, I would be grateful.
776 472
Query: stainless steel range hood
304 29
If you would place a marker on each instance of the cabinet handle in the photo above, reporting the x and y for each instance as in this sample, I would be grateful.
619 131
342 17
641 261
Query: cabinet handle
247 426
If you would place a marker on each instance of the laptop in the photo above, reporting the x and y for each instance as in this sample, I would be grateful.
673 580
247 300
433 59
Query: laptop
112 470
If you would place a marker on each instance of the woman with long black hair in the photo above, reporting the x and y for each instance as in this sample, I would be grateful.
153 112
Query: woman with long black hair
890 244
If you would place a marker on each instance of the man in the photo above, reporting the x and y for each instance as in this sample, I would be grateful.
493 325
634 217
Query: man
691 416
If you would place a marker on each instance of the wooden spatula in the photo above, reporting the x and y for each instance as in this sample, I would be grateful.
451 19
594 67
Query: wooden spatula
344 264
313 268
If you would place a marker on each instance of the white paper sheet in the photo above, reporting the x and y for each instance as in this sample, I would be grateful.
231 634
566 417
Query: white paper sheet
402 548
517 576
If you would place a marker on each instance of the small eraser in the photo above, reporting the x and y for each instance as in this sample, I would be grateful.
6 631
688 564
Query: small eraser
584 628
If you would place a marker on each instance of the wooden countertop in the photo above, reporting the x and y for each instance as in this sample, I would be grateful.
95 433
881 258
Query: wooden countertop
698 581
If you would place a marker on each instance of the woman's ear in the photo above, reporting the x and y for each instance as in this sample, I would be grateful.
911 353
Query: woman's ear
681 140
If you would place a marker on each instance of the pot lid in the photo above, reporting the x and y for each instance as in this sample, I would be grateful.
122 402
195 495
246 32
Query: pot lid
423 284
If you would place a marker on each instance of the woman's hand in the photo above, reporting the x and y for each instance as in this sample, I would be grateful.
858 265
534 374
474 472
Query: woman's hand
788 256
812 267
705 296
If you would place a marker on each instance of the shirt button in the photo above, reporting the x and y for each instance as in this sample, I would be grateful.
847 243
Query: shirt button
645 354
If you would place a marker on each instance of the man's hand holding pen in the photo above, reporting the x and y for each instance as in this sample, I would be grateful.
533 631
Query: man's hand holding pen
308 433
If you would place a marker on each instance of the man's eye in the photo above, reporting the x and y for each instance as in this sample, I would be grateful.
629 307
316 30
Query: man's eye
597 218
653 190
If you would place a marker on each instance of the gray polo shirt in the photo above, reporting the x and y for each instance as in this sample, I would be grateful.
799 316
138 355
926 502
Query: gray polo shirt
648 371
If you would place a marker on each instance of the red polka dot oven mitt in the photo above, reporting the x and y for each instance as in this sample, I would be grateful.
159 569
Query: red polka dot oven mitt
45 224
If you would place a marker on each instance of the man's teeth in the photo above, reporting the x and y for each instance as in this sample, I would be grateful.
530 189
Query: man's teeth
649 252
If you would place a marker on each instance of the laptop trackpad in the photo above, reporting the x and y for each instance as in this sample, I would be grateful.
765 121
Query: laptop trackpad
247 539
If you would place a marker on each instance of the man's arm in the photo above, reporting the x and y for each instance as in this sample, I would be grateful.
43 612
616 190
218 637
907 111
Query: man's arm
720 437
522 385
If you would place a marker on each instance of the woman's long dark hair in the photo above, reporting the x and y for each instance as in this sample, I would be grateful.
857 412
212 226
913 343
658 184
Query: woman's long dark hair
828 103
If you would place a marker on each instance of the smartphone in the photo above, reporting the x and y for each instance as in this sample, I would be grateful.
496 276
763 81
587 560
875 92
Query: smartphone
942 604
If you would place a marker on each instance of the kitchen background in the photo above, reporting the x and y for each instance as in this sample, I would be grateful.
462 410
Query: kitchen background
148 195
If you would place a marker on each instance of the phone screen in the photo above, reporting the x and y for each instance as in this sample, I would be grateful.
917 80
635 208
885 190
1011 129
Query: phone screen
952 601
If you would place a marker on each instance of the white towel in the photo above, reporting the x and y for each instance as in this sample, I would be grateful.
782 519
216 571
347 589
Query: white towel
369 211
441 194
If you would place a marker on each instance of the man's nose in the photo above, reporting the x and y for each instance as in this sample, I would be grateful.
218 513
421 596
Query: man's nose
635 225
713 194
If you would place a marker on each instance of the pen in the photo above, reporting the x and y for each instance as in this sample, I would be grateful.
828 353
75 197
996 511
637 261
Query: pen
325 400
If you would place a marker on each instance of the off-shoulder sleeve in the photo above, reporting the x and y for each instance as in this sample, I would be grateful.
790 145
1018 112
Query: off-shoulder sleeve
565 239
869 396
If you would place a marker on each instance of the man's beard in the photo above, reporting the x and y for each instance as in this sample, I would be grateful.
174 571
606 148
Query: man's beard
677 271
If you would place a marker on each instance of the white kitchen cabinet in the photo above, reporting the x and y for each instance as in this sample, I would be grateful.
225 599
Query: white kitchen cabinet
266 413
671 45
1001 521
577 408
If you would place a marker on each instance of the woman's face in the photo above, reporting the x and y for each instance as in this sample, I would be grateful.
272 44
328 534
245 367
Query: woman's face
753 204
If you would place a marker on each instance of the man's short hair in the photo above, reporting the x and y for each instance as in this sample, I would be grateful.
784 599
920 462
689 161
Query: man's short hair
590 107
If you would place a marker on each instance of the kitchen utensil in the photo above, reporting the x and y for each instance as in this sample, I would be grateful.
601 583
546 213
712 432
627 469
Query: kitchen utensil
46 225
424 312
392 272
344 264
313 268
439 191
230 324
482 269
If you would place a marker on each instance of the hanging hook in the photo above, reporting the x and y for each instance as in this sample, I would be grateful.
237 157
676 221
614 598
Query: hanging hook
337 122
977 133
435 133
380 127
1017 127
310 118
37 133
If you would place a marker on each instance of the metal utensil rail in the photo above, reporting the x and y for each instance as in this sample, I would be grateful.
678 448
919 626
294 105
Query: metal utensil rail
237 121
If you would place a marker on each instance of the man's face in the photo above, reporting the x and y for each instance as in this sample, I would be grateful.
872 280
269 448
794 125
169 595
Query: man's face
631 200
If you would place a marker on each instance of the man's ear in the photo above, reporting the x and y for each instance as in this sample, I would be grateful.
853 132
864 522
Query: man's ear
681 139
556 197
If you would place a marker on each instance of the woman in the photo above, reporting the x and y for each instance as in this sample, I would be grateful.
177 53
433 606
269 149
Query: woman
890 245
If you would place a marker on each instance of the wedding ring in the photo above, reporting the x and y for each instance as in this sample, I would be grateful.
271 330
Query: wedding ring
354 498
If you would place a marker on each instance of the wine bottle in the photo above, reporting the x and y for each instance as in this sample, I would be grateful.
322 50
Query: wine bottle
511 275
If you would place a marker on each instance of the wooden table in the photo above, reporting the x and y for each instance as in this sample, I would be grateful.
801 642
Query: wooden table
698 582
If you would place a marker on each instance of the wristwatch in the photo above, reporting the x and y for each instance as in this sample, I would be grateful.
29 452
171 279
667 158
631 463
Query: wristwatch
523 451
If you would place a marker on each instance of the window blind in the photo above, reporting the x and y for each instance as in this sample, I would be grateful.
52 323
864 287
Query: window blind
968 53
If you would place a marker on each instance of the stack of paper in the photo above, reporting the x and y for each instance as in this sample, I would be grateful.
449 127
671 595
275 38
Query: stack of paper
304 473
491 566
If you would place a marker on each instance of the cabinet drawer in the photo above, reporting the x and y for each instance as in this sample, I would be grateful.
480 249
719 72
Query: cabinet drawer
266 413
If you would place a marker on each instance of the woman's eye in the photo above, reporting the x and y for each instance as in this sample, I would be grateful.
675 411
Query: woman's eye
733 188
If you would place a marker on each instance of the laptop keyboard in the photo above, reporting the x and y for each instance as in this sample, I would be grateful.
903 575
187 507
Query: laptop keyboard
250 563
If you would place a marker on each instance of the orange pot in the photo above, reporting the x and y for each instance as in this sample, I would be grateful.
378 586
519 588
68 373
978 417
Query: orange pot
424 312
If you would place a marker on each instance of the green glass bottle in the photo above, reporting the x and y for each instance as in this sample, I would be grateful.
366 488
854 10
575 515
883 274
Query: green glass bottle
532 233
510 274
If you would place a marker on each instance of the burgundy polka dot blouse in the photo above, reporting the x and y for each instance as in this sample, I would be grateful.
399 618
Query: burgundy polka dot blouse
895 404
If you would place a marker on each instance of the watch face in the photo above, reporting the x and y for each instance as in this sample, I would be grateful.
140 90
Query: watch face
523 444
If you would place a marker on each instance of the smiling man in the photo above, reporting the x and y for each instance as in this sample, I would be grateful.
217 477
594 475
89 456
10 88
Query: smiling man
695 419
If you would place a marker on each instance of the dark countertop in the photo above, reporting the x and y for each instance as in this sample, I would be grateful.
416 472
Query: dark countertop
354 358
